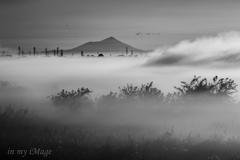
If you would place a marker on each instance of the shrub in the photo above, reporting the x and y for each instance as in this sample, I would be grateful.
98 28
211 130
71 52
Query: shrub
171 100
199 91
146 92
130 96
74 99
106 101
8 85
11 115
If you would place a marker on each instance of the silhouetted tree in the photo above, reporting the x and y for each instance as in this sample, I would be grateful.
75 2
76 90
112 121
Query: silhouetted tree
34 50
46 51
19 50
57 51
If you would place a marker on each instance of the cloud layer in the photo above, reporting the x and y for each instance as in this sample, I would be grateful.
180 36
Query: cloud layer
6 50
221 51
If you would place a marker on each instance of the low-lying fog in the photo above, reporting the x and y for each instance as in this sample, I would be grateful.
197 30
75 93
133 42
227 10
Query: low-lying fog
103 75
166 67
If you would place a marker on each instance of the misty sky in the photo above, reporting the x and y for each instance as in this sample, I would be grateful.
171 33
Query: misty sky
70 23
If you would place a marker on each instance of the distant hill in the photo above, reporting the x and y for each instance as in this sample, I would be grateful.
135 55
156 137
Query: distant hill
110 44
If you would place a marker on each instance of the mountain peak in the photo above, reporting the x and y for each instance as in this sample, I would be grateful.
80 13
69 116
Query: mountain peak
110 38
109 44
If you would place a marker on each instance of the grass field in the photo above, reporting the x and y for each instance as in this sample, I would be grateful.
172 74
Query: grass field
138 122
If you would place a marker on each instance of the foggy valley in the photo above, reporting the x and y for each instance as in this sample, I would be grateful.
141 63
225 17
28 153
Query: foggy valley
120 80
30 83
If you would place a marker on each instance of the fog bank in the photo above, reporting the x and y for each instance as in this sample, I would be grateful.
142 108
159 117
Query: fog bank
220 51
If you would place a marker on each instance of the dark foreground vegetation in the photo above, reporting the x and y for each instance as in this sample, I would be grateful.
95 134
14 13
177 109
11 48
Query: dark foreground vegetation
130 124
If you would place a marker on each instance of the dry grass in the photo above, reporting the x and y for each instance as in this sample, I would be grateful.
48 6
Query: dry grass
136 123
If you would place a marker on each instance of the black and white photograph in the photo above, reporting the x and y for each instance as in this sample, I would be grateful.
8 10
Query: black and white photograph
120 79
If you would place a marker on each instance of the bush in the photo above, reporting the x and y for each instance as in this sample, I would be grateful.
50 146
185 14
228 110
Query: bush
74 99
107 101
129 97
199 91
145 93
11 116
5 85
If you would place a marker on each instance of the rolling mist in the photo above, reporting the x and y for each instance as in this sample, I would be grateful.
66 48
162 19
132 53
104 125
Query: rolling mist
166 67
221 51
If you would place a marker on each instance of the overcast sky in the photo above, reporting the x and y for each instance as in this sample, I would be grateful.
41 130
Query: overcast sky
70 23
